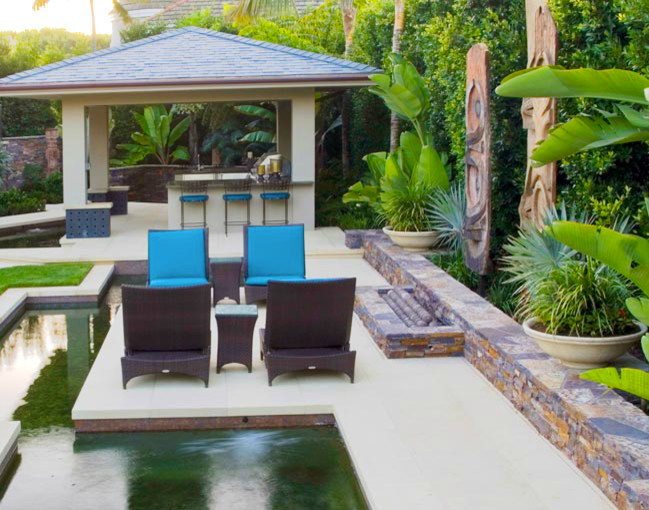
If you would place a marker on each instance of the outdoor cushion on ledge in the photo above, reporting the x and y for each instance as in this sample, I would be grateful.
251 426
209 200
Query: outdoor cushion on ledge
263 280
194 198
178 257
234 197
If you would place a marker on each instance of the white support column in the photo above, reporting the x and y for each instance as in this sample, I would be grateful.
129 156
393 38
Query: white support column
303 156
98 147
283 132
74 153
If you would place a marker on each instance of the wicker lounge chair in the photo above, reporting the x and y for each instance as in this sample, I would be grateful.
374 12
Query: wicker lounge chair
271 253
178 258
166 330
308 325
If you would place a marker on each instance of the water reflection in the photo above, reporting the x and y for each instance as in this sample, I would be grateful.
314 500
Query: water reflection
35 342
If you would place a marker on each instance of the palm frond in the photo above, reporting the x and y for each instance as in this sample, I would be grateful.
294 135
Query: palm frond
446 215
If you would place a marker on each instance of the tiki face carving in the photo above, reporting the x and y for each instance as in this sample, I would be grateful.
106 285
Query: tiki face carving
539 115
477 225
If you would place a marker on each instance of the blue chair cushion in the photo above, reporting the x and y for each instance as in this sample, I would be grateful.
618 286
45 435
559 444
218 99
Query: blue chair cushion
278 195
260 281
276 251
231 197
177 282
177 254
194 198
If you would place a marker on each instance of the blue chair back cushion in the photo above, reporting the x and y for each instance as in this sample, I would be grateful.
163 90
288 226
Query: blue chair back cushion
194 198
275 251
235 197
278 195
177 255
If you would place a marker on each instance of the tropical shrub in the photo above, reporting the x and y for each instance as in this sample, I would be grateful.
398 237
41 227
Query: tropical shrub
15 201
158 138
399 184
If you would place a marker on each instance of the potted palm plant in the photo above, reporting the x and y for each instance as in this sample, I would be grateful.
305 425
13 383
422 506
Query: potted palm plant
399 185
572 305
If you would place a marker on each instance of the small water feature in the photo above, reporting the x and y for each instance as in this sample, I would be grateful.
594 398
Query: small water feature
46 237
48 354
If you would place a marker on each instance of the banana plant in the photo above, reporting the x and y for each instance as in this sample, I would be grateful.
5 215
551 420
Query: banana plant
157 139
405 93
627 122
399 184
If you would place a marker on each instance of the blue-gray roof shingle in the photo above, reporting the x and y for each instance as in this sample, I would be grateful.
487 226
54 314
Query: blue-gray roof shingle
186 54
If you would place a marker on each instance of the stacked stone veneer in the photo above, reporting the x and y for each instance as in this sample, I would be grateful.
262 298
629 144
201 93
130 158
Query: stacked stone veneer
147 183
605 436
44 150
398 340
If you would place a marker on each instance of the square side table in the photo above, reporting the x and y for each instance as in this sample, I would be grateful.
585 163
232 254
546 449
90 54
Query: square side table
226 278
235 329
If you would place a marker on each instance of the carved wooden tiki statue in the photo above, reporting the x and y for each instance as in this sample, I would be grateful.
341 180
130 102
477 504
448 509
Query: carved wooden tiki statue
539 115
477 224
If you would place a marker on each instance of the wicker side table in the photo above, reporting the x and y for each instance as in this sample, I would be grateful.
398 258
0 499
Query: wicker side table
236 326
226 278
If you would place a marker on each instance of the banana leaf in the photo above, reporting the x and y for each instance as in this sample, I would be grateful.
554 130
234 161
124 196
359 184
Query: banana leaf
376 163
430 171
410 150
645 346
631 380
582 133
360 192
639 308
625 253
555 81
256 111
396 97
405 74
639 119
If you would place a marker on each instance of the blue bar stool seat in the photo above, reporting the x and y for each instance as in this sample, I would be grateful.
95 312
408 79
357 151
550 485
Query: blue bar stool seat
193 192
275 191
237 190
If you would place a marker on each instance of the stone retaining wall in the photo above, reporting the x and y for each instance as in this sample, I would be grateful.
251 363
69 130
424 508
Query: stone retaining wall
606 437
147 183
43 150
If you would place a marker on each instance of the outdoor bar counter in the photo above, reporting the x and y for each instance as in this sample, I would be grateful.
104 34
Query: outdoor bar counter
300 203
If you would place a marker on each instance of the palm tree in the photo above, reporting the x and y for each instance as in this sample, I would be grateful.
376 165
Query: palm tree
397 31
119 9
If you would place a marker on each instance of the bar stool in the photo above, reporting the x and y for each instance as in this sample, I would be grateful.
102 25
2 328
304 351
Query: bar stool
237 190
193 192
275 191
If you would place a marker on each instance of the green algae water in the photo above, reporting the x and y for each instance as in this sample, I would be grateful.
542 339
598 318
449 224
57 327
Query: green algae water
44 360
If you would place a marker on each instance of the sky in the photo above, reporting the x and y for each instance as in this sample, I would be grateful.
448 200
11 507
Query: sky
73 15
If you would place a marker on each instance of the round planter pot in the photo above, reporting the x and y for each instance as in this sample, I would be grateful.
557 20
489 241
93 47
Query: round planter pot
412 241
584 352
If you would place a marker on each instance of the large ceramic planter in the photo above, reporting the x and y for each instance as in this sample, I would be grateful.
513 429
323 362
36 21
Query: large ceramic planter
584 352
412 241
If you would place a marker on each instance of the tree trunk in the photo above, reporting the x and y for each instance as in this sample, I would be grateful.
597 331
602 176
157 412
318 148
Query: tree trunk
94 27
399 25
193 141
349 21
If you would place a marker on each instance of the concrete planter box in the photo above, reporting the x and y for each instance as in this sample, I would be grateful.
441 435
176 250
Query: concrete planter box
413 241
584 352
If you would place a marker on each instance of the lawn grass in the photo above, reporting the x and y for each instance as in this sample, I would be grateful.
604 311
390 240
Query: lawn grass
47 275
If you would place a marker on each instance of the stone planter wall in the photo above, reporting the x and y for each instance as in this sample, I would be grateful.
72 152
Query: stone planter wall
147 183
606 437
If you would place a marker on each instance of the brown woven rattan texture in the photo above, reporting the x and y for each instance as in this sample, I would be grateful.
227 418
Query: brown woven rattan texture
308 325
166 330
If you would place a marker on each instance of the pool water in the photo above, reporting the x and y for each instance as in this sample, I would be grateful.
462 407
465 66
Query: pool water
46 237
290 469
44 361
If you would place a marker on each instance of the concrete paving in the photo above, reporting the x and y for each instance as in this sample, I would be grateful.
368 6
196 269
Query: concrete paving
422 433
